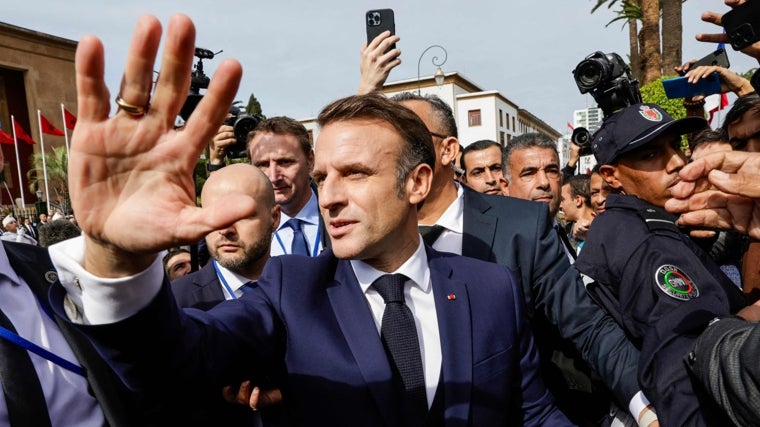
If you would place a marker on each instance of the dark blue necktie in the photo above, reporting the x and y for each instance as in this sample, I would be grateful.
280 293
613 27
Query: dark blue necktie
249 286
399 336
298 246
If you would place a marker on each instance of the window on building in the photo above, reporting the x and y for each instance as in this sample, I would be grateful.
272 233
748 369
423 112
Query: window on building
473 117
513 122
507 121
501 118
501 138
311 136
509 139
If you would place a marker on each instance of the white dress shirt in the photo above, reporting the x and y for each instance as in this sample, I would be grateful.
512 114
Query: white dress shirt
419 298
94 300
68 402
452 221
309 215
234 281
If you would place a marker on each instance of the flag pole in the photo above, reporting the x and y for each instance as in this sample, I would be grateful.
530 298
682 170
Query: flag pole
18 162
44 163
65 134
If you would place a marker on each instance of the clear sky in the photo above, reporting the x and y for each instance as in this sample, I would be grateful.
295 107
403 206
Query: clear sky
299 55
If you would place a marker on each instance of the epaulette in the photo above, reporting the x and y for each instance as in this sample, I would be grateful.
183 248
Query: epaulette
657 220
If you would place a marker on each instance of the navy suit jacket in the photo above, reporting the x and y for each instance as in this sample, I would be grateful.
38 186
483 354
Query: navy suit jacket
518 234
200 289
309 322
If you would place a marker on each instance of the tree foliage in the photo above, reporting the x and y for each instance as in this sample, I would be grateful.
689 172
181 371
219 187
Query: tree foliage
654 93
254 107
57 165
655 48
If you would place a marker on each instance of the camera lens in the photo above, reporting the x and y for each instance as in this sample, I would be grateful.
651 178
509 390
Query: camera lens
581 137
589 74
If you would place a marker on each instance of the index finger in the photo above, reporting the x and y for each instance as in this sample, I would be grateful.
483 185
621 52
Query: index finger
727 161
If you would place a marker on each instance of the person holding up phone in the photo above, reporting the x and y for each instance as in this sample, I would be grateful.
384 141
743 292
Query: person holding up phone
377 61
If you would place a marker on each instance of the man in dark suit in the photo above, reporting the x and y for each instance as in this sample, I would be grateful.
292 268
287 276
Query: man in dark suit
519 234
380 330
239 252
238 255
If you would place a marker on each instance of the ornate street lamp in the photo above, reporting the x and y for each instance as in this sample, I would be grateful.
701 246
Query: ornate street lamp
439 75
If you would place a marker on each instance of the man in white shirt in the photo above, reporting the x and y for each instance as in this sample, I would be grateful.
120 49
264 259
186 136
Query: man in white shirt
470 357
281 148
14 233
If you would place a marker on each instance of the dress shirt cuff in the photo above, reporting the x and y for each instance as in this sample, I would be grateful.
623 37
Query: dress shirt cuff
99 300
637 404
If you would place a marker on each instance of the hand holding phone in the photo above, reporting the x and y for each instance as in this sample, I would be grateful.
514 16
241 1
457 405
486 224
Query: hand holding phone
718 58
742 24
379 21
380 55
679 87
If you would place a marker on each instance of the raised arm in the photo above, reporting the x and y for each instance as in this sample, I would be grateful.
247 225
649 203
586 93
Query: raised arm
131 174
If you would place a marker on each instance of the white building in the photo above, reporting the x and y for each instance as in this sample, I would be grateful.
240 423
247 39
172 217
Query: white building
479 114
591 119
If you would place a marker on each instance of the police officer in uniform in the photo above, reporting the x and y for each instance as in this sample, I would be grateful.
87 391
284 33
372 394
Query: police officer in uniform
658 284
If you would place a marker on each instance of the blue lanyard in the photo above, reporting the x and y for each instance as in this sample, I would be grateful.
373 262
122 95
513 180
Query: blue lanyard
39 351
224 281
314 252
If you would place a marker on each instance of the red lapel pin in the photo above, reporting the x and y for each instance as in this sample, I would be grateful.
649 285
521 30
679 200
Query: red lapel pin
452 297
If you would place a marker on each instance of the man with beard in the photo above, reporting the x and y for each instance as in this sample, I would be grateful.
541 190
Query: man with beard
238 255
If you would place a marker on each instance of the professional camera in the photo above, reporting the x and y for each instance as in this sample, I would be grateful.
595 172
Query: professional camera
582 138
242 125
609 80
199 80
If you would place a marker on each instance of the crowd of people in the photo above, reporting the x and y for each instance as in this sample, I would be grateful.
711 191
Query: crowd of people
389 275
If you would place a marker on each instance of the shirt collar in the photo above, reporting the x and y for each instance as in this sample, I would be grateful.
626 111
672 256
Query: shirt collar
234 280
308 214
5 267
453 217
415 268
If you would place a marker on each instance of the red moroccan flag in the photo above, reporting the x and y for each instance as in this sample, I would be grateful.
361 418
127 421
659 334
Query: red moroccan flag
5 138
21 133
71 120
48 127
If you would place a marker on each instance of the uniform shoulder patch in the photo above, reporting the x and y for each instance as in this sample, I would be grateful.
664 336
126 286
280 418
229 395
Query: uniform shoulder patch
675 283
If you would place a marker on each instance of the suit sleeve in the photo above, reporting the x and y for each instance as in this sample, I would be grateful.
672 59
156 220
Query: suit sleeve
724 360
537 403
559 292
164 348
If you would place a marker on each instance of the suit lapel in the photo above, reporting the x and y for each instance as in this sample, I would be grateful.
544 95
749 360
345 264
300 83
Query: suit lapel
455 328
208 286
355 319
479 228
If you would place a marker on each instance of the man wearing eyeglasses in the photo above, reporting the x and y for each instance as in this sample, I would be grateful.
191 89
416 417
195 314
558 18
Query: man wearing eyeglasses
518 234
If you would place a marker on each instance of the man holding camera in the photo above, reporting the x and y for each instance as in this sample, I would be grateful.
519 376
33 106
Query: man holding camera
649 276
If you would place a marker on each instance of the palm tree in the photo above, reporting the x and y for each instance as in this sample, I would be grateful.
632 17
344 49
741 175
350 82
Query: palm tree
648 61
57 164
